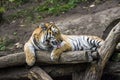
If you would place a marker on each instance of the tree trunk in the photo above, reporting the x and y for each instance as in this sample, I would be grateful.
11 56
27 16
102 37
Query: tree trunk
94 71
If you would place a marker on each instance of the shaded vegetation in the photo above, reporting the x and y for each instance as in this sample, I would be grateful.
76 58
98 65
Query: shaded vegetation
41 10
5 42
2 10
116 57
56 7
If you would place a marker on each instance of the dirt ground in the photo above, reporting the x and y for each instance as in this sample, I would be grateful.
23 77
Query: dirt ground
18 31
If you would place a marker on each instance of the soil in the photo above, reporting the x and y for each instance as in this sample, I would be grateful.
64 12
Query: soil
20 30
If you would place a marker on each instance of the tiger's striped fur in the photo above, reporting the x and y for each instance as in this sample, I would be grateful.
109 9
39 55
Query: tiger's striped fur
84 42
48 37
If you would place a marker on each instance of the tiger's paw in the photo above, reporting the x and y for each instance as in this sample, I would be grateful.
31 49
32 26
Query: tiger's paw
54 57
30 60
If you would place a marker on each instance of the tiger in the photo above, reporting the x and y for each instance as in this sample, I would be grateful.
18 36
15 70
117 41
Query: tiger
47 36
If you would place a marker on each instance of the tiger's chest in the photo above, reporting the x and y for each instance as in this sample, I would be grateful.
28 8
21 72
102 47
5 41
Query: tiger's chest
42 46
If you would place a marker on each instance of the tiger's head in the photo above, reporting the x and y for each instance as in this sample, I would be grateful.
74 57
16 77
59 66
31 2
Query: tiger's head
50 34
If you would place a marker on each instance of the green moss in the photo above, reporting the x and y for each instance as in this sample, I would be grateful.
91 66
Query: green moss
2 9
55 7
4 42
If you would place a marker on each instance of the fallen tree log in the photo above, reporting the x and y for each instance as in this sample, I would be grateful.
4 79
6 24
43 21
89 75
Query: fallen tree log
17 73
44 57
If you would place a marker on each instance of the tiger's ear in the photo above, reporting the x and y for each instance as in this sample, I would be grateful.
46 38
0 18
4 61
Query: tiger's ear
42 25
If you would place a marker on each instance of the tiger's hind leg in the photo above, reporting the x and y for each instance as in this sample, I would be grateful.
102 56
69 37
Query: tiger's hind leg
29 54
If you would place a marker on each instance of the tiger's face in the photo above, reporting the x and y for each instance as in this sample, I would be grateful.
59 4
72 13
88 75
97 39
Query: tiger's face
52 34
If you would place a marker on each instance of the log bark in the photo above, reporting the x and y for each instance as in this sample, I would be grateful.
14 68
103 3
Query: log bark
44 57
36 73
17 73
94 71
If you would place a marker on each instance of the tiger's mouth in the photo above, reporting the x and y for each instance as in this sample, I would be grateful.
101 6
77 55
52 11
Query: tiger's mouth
56 44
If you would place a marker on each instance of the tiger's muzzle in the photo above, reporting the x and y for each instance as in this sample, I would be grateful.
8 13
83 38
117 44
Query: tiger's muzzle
55 43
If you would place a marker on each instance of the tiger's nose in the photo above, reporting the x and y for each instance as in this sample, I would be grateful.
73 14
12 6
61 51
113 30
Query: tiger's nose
54 42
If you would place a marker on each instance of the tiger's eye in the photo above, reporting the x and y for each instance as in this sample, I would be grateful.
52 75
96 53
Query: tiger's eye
55 32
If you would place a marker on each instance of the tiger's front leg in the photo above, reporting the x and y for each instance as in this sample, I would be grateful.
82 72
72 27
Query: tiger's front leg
55 55
29 54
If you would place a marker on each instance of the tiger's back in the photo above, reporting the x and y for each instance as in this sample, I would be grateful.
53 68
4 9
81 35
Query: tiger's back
84 42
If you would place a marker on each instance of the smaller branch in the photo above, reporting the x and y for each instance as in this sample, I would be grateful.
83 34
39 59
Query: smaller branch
36 73
118 46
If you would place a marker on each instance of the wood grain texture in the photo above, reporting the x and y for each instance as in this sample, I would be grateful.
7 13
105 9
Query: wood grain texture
36 73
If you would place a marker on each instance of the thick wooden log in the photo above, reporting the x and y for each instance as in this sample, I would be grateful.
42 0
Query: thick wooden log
44 57
94 71
17 73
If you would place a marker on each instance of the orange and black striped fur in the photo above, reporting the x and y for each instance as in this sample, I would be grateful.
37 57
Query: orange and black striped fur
48 37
